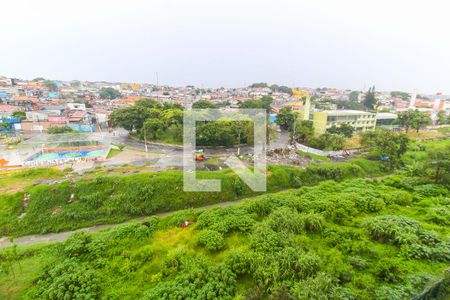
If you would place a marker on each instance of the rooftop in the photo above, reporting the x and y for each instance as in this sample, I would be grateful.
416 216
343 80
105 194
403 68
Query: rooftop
346 112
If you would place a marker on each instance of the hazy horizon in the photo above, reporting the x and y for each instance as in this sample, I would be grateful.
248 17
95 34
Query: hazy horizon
394 45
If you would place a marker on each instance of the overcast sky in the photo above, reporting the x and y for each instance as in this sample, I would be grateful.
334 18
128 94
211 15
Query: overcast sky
394 44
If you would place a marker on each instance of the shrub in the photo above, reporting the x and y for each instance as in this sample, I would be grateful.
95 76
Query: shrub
287 220
439 215
319 287
67 280
262 206
398 197
211 239
264 239
133 230
239 262
358 262
77 244
226 219
389 270
197 281
313 222
395 229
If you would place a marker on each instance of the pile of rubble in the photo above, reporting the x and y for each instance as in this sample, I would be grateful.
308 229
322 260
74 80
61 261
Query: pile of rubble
287 156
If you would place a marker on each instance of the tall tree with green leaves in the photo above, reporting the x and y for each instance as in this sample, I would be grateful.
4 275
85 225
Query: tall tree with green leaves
302 131
370 100
388 145
405 119
420 121
151 127
202 104
285 118
353 96
109 93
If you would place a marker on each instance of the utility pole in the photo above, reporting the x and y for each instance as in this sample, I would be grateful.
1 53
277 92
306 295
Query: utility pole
157 87
145 140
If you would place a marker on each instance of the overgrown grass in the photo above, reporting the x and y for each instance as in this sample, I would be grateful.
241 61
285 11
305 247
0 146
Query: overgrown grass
113 152
312 155
111 199
357 239
13 181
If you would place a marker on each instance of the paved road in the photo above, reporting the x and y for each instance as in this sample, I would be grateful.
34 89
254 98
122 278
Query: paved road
62 236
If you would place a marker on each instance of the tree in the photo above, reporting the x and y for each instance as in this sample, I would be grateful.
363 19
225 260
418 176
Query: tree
172 117
264 102
438 161
285 89
413 119
405 119
443 117
4 126
202 104
148 103
327 141
344 129
109 93
302 131
267 103
19 115
402 95
151 128
252 103
50 85
388 145
353 96
130 118
370 100
259 85
167 105
420 121
285 118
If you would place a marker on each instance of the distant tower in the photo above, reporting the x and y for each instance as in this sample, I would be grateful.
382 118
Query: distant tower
412 102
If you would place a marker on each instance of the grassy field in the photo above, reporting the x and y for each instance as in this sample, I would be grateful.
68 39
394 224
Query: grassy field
313 156
113 152
357 239
13 181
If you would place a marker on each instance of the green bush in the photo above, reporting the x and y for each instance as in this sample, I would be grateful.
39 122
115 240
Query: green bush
67 280
226 219
211 239
286 220
77 244
390 270
395 229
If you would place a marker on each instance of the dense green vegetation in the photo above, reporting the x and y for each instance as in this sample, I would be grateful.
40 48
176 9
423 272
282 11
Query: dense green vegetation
110 199
59 129
336 235
151 120
413 119
109 93
358 239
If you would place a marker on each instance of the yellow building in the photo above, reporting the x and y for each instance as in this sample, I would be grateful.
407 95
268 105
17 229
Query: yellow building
360 120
